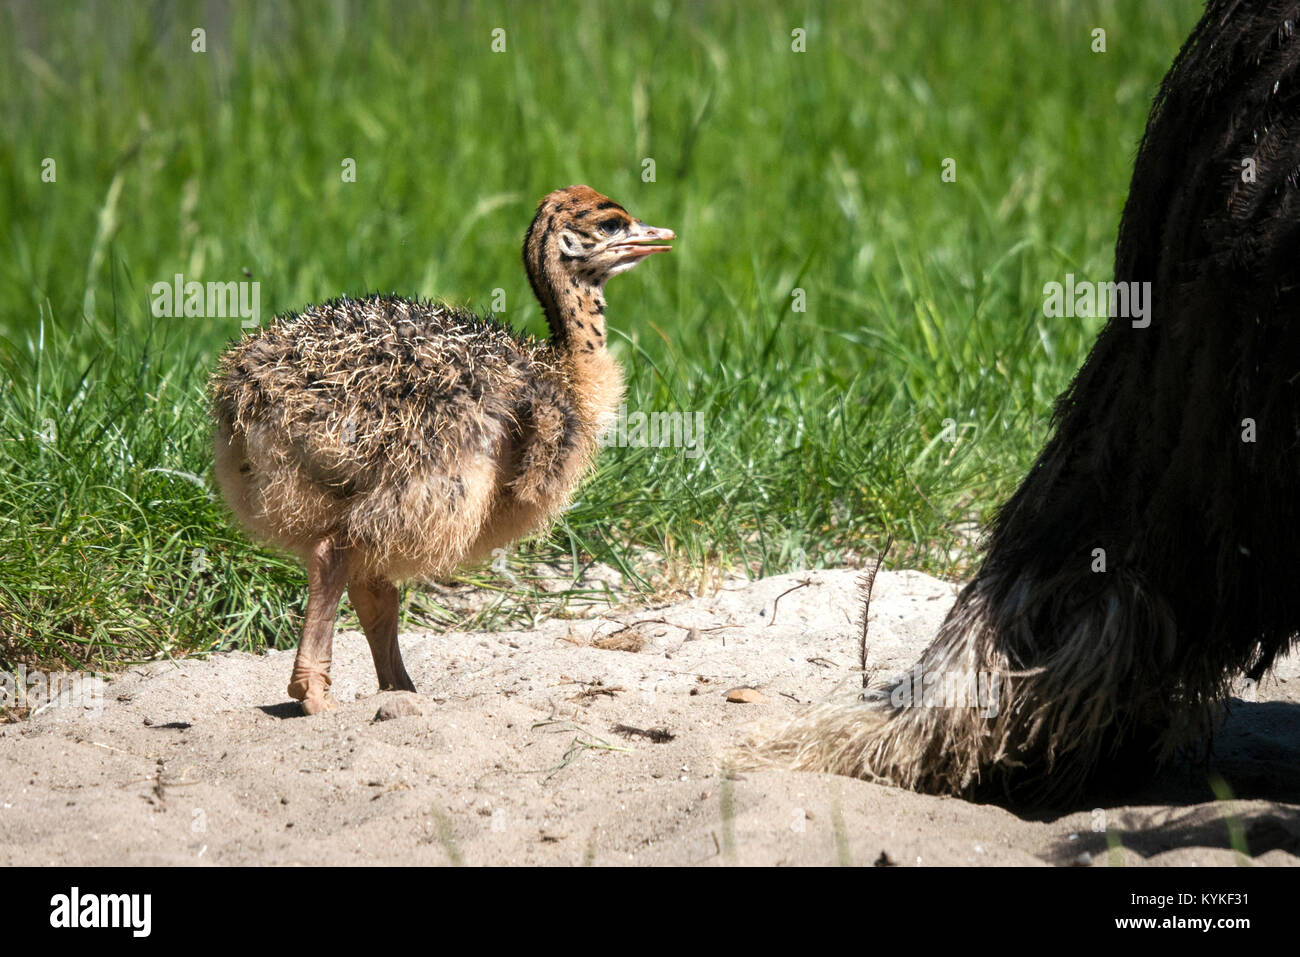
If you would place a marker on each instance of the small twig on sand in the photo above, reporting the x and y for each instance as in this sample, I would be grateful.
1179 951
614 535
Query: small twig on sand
803 584
868 583
657 735
611 642
596 688
583 740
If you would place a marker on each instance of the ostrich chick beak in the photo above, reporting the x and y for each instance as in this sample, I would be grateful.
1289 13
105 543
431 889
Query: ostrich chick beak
639 240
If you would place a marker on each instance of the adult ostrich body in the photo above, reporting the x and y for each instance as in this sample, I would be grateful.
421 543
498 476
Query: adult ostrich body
1148 560
381 439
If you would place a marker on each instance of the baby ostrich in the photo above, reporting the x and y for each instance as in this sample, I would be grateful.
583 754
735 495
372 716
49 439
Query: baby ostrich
383 439
1149 557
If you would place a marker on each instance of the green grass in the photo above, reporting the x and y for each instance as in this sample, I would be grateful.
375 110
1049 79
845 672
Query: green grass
779 170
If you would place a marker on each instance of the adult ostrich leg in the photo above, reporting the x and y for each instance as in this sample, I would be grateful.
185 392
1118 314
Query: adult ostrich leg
1149 558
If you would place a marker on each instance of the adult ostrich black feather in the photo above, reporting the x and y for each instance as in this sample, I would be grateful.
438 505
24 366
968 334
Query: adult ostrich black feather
1149 557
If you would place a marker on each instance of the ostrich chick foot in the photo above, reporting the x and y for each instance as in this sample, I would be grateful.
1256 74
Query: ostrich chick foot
310 685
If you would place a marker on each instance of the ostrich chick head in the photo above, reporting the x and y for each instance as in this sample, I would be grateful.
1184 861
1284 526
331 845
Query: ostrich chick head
580 238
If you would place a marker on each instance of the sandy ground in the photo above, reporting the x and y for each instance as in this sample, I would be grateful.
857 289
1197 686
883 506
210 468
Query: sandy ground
509 755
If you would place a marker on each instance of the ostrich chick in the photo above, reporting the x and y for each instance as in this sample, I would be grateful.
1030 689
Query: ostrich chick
384 439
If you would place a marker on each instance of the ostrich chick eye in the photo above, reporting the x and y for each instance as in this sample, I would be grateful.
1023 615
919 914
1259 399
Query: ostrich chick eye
610 226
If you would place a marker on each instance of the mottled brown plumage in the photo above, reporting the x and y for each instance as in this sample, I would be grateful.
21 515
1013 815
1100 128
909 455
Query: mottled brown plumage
383 439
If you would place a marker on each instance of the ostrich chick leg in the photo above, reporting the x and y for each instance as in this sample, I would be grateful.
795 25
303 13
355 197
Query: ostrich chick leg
327 573
377 603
